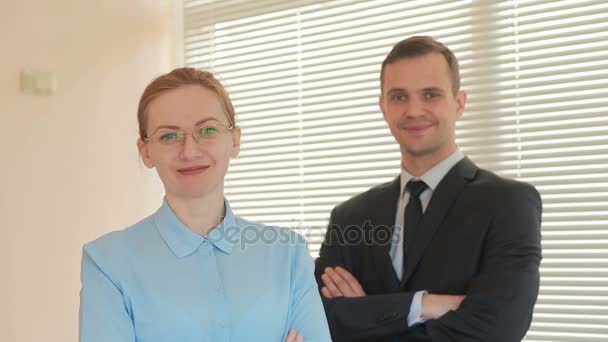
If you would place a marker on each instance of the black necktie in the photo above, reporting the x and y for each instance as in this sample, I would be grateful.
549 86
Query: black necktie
413 214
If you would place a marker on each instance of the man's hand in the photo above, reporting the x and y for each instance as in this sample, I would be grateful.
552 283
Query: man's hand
435 306
340 283
293 336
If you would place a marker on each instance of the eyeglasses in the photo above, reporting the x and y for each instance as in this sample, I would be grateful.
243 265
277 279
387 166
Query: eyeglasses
203 133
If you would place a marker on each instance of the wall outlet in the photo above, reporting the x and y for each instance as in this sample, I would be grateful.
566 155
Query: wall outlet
36 82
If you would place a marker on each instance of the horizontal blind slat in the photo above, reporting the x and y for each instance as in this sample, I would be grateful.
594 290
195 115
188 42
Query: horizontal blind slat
303 76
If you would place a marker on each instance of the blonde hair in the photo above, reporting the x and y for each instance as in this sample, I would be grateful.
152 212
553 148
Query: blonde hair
175 79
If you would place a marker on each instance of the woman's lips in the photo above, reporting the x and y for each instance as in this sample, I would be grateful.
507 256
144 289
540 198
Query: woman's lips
194 170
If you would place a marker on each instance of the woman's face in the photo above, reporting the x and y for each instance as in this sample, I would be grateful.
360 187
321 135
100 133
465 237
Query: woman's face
189 169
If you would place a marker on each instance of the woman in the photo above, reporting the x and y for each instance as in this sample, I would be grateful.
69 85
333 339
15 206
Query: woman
193 271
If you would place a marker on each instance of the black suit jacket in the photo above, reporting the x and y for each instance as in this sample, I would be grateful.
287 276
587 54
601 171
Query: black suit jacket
479 236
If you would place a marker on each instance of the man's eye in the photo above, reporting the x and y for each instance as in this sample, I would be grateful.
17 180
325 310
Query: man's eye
168 136
431 95
399 97
209 131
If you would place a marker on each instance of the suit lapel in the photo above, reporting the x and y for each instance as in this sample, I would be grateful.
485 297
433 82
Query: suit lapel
442 200
384 218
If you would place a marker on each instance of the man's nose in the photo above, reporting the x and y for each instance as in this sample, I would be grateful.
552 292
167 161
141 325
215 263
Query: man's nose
414 107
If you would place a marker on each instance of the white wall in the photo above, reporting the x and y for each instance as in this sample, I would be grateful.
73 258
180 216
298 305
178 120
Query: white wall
69 169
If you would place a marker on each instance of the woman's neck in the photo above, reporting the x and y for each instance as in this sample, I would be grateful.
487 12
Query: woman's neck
200 214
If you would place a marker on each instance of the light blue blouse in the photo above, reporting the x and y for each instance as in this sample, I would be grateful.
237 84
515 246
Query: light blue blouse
159 281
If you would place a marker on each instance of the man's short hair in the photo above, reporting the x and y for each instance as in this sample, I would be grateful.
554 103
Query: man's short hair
419 46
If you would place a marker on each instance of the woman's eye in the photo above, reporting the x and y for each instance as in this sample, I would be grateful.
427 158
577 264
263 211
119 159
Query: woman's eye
168 136
209 130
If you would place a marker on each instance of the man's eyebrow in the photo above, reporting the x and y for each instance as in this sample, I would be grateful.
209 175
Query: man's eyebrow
396 90
437 89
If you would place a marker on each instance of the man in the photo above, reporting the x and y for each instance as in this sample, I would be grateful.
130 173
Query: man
452 258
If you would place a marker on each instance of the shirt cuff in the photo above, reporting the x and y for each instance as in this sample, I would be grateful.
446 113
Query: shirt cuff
415 315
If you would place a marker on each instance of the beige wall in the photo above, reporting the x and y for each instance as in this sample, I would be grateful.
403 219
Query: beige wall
69 169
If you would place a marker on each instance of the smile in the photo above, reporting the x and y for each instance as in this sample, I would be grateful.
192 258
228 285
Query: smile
192 171
417 128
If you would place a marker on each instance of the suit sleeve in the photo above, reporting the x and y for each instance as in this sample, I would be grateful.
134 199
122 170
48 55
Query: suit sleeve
500 300
103 314
369 318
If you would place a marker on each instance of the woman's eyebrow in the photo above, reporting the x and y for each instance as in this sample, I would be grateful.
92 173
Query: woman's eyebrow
173 127
200 122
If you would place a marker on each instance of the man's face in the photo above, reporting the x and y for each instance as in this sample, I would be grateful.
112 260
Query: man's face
420 107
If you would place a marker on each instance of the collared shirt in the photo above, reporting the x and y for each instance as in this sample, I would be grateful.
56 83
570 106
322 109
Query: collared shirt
160 281
432 179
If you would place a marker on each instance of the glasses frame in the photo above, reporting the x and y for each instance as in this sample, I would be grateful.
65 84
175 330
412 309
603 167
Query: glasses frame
195 136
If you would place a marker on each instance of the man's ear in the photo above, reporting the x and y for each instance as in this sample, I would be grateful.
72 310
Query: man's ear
381 103
461 101
144 153
236 142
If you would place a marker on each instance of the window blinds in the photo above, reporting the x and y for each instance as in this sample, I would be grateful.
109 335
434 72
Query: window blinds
303 76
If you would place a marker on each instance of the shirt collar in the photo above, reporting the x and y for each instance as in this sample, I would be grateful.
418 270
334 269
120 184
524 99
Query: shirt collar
433 176
183 241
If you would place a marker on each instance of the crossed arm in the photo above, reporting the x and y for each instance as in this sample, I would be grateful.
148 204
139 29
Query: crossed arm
294 336
497 305
338 282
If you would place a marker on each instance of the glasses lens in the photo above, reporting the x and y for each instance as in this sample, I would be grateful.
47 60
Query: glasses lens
174 137
208 131
169 138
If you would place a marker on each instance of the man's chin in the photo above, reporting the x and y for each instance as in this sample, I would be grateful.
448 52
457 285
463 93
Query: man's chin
419 152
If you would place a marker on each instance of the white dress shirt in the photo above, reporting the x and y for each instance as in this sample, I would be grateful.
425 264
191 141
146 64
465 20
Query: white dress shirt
432 178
